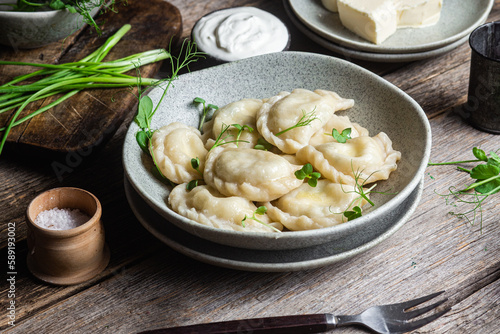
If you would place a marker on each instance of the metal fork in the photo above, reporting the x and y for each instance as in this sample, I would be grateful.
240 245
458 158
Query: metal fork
386 319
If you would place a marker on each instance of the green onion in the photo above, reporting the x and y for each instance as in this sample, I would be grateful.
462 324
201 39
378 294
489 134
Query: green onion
69 79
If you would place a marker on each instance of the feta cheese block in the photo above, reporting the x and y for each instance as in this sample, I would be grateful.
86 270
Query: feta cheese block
373 20
418 13
376 20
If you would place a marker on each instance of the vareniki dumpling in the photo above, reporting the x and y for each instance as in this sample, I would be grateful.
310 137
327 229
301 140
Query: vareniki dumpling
173 147
254 174
285 110
307 208
207 206
366 158
242 112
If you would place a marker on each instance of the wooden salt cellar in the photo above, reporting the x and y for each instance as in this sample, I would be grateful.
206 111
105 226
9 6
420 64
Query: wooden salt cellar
65 257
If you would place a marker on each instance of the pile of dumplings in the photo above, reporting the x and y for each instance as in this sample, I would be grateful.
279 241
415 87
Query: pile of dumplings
236 178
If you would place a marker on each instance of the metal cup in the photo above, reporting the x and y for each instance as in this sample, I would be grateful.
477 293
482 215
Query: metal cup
482 109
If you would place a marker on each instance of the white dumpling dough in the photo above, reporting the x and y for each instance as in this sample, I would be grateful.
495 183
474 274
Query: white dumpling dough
254 174
340 123
207 206
284 111
242 112
307 208
370 158
173 147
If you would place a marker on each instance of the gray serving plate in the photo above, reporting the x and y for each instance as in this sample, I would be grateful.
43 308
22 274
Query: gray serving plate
458 19
379 106
271 260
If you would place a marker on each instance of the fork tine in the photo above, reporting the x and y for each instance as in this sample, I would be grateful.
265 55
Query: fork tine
418 301
413 325
420 311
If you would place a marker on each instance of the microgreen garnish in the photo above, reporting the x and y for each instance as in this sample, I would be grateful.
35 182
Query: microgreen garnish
306 119
240 129
146 109
195 163
353 214
343 136
359 189
263 145
206 109
223 135
261 210
307 172
486 183
192 184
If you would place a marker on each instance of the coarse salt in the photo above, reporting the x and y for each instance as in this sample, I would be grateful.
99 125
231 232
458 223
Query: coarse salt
61 219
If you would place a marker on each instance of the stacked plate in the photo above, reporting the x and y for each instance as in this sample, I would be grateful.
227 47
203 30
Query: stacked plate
379 106
458 19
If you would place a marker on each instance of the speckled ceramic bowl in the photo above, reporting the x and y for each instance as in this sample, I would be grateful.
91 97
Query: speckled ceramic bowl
28 30
379 106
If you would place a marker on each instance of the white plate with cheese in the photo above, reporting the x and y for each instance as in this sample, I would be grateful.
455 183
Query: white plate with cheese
458 18
348 53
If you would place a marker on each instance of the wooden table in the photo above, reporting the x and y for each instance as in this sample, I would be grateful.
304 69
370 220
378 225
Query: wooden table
148 285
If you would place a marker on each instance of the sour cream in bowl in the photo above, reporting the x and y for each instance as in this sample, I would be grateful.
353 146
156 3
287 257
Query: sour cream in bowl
241 32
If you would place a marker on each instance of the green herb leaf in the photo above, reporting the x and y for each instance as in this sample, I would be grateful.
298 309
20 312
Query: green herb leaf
307 172
71 9
144 113
313 182
57 4
491 187
195 163
483 172
143 140
261 210
494 159
307 169
191 185
206 109
342 137
479 154
300 174
263 145
353 214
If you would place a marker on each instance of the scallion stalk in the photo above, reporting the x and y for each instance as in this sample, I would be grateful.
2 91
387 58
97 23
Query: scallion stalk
70 78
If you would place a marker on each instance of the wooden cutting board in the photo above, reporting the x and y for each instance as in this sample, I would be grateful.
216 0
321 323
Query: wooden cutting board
89 118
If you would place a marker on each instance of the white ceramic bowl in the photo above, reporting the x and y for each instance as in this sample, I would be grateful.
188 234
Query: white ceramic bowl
28 30
379 106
